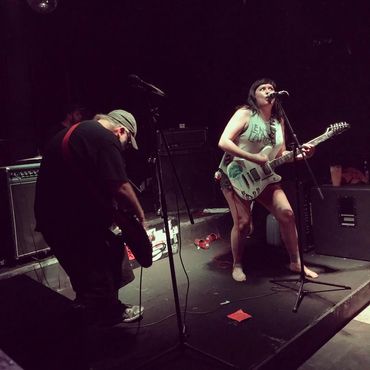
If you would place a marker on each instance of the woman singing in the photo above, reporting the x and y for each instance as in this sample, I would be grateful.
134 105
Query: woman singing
252 127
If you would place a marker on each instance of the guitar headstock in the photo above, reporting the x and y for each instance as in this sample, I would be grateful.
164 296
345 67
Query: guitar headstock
337 128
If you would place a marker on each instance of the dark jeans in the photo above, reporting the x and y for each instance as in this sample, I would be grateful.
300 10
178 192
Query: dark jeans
93 261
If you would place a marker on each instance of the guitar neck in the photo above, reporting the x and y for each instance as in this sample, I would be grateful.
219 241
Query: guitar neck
289 156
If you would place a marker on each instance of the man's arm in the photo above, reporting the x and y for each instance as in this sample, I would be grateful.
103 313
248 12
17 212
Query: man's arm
127 193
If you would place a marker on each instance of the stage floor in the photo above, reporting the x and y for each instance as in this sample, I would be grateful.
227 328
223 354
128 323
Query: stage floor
274 336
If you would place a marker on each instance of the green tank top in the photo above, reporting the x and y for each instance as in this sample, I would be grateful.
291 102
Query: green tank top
258 135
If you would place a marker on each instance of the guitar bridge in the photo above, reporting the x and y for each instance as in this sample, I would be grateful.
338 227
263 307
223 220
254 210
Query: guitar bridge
266 170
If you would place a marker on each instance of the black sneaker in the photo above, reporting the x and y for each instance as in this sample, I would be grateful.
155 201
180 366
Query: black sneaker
132 313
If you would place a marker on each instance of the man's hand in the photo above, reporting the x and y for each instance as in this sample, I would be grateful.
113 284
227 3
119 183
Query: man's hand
127 194
142 220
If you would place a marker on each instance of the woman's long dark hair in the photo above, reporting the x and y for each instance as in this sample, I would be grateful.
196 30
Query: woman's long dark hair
252 101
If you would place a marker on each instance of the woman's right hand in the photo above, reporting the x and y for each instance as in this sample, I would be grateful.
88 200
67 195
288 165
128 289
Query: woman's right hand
259 158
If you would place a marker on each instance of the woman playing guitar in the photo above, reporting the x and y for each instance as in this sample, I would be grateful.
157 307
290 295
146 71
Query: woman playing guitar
252 127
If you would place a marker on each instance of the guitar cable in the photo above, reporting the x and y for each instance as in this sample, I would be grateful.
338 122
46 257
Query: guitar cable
140 299
185 311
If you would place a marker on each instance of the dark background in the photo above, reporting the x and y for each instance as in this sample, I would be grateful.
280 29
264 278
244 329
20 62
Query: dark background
204 54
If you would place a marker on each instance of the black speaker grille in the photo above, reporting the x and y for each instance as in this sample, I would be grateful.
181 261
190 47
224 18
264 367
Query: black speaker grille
27 241
195 170
341 221
17 222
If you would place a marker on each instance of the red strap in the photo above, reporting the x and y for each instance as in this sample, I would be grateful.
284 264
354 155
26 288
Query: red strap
65 147
68 159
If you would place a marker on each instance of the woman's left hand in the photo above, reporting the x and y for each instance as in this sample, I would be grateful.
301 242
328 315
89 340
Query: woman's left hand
308 151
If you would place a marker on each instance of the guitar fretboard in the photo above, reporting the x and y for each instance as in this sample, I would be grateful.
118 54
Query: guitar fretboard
289 156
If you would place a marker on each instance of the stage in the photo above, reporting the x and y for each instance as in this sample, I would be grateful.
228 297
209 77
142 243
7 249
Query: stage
273 337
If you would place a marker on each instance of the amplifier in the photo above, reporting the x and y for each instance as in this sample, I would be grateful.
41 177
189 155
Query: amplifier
341 221
17 222
183 139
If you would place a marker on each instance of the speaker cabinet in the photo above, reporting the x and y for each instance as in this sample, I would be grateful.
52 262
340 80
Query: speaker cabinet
341 222
17 221
40 329
182 139
195 170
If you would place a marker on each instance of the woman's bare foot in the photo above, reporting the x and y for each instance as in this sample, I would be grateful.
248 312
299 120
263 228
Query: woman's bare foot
238 274
296 267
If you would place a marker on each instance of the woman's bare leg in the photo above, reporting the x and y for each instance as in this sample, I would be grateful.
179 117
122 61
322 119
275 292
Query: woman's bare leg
275 200
240 212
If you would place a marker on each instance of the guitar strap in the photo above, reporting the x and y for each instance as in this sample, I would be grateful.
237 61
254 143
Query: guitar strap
68 158
65 143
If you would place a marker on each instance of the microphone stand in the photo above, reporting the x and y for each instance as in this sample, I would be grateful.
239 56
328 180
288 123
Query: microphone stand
297 148
182 344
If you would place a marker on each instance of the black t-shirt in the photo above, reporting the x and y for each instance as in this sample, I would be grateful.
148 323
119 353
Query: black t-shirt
77 192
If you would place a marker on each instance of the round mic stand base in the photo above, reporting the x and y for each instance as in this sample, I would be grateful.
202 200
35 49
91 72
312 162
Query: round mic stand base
301 293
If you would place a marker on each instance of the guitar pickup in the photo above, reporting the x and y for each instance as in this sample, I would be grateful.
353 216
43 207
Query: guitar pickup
255 175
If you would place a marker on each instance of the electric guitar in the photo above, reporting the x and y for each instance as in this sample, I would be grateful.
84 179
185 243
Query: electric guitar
136 237
249 179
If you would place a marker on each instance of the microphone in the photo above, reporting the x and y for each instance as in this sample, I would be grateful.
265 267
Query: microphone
137 82
277 94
